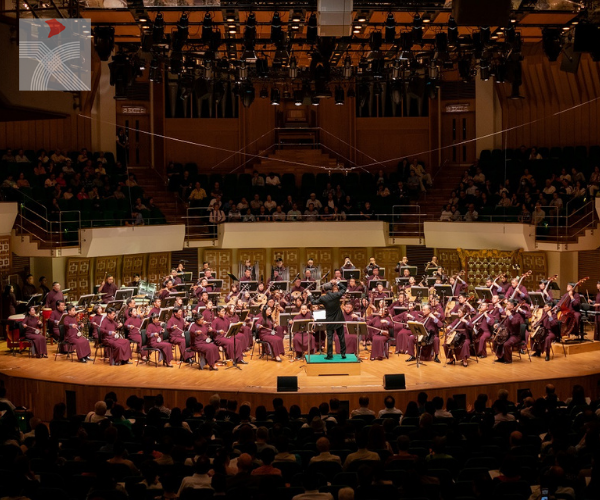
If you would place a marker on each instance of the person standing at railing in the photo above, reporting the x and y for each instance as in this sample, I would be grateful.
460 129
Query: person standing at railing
217 216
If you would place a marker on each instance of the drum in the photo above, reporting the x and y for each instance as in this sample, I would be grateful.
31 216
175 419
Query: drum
46 313
13 340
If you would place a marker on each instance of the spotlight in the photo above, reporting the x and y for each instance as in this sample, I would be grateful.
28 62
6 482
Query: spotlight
275 97
104 41
484 70
417 29
297 17
551 43
312 29
180 36
390 28
250 29
339 96
155 73
452 31
247 94
276 33
230 16
347 71
485 35
315 101
158 28
293 68
264 93
427 18
362 17
298 98
120 75
207 28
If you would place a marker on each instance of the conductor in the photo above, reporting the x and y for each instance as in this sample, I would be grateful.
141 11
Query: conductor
333 312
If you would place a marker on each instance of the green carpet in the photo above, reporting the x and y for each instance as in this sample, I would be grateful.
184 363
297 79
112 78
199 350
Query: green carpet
337 358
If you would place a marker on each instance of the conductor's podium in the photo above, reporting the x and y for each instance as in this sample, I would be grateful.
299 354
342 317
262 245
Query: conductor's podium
318 366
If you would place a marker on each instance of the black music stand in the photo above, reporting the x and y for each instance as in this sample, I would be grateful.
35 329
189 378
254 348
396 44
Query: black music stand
168 301
233 331
282 286
186 276
359 329
382 272
349 274
418 330
443 291
430 271
537 299
117 304
483 293
244 314
182 287
84 301
420 292
144 324
36 299
310 285
399 310
303 326
375 283
354 295
431 280
411 269
250 286
216 283
254 310
124 294
214 297
402 281
165 314
284 318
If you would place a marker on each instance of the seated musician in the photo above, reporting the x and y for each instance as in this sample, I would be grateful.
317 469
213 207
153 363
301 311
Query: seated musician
266 333
133 326
481 325
371 266
458 285
220 326
247 275
411 282
597 310
493 286
543 289
401 330
297 286
496 309
155 306
279 266
165 292
504 283
33 333
308 275
175 277
136 281
348 263
211 287
55 317
378 328
549 329
437 307
203 301
379 293
462 302
401 264
571 303
233 293
276 277
297 305
120 349
130 304
73 335
154 333
432 350
374 276
201 341
355 287
516 291
399 302
209 313
302 340
337 274
109 289
512 323
176 326
460 347
351 339
310 266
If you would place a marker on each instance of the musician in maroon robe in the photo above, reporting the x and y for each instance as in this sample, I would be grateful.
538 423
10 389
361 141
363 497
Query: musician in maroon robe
480 326
548 321
247 276
165 292
54 296
73 335
220 326
130 304
244 336
571 302
494 287
209 313
374 276
597 309
460 303
432 324
176 327
462 333
133 327
267 333
302 340
351 339
233 293
512 323
378 328
154 333
33 333
155 306
297 286
355 287
401 330
517 291
109 289
379 293
202 342
95 319
120 349
55 318
496 309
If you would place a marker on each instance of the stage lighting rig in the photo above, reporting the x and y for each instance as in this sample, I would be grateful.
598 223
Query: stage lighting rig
104 41
551 43
207 28
312 29
158 29
390 29
339 96
276 31
417 29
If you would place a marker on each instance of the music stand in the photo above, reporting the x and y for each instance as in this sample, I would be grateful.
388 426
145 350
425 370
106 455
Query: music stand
165 315
307 284
117 304
537 299
216 283
431 280
411 269
124 294
399 310
186 276
484 293
214 297
84 301
303 326
182 287
357 328
144 324
375 283
282 286
254 310
250 286
388 301
354 295
430 271
244 314
168 301
402 281
418 330
349 274
233 330
443 291
382 272
420 292
283 321
36 299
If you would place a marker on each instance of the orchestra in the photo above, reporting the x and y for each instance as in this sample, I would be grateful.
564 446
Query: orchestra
193 321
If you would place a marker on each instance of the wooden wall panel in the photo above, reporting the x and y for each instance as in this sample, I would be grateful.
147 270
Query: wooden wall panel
78 278
291 260
323 257
105 266
221 262
132 264
588 266
388 258
254 255
337 129
5 254
536 262
358 256
158 266
549 94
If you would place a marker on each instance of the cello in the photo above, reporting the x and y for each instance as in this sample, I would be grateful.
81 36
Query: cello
565 314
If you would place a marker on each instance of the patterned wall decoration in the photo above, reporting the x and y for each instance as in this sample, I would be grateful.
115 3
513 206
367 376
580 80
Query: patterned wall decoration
449 260
78 277
388 259
5 253
323 257
358 256
132 264
536 262
291 260
105 266
158 266
221 262
588 266
253 255
479 264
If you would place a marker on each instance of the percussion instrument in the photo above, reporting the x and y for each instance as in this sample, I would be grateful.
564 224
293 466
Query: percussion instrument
46 313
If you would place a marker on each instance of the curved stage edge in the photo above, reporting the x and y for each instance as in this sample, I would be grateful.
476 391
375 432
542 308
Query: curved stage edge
40 383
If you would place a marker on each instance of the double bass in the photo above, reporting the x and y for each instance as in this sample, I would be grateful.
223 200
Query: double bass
565 314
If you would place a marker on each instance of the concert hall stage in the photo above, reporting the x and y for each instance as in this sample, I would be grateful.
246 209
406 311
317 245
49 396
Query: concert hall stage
40 383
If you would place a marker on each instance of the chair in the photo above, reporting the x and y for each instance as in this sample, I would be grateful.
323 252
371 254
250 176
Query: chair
523 344
16 340
65 344
349 479
517 488
106 349
472 474
328 469
288 469
264 348
144 348
357 464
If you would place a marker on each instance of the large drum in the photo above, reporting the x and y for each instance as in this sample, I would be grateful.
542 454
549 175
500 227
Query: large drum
13 340
46 313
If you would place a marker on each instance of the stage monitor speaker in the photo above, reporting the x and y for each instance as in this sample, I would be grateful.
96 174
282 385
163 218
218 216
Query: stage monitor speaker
569 62
287 384
394 381
478 13
587 37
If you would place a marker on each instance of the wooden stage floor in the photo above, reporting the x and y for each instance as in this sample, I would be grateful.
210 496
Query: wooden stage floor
40 383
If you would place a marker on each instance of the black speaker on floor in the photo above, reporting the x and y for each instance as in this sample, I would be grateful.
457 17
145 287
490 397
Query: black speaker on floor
569 62
287 384
394 382
478 13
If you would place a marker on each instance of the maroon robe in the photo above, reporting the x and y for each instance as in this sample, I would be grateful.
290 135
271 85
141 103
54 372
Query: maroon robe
432 325
266 333
553 330
483 326
109 290
82 345
33 333
120 349
176 329
513 325
351 339
220 326
302 341
463 351
154 332
132 326
54 320
52 297
203 343
379 346
521 294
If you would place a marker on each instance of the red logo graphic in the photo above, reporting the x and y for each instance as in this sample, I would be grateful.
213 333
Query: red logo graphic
55 27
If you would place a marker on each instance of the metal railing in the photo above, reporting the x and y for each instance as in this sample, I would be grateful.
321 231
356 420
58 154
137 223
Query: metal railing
566 224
